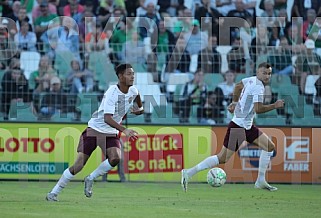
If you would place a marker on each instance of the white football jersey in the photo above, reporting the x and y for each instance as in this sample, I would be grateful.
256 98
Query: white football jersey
252 92
114 102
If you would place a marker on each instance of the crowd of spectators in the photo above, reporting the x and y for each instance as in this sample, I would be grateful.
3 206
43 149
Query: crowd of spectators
162 37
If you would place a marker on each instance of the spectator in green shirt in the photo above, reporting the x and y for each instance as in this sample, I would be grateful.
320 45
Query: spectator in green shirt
119 37
42 22
166 39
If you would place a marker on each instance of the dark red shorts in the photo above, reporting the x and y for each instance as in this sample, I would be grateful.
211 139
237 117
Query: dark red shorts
236 135
91 138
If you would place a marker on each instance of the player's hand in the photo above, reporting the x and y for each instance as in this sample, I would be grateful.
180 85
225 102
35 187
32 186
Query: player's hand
136 112
231 107
279 103
131 134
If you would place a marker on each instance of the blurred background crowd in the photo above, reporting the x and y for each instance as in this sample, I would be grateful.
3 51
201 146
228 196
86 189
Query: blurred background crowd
58 56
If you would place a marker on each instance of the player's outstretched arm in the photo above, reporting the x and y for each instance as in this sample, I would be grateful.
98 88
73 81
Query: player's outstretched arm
259 107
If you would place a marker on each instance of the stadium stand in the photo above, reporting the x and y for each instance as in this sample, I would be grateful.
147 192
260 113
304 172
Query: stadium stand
161 85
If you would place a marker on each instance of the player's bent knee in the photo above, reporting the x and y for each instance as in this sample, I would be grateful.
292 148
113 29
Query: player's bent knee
75 169
221 159
271 147
114 161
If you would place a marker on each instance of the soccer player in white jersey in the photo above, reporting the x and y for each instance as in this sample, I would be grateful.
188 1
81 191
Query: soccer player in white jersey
103 129
247 100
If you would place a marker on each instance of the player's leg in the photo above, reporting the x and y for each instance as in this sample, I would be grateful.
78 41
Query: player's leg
222 157
113 158
112 154
87 144
67 175
267 146
234 137
120 166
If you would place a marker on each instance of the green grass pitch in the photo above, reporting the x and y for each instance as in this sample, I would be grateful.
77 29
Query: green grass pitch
112 199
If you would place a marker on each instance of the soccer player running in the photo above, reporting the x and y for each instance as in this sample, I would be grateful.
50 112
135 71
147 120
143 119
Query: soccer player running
103 129
247 100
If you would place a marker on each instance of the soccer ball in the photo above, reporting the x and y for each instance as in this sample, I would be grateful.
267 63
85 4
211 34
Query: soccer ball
216 177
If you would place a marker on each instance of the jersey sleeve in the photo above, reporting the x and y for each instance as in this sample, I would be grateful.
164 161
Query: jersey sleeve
110 102
134 90
258 93
245 80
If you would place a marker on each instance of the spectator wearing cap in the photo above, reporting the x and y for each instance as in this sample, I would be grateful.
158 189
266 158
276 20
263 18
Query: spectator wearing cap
305 63
80 80
196 40
54 101
36 11
46 17
14 87
25 39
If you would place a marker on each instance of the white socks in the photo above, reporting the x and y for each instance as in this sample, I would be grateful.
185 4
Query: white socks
205 164
263 164
63 181
103 168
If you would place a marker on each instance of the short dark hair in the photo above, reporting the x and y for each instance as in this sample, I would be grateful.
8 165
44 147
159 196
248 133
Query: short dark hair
120 69
265 65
